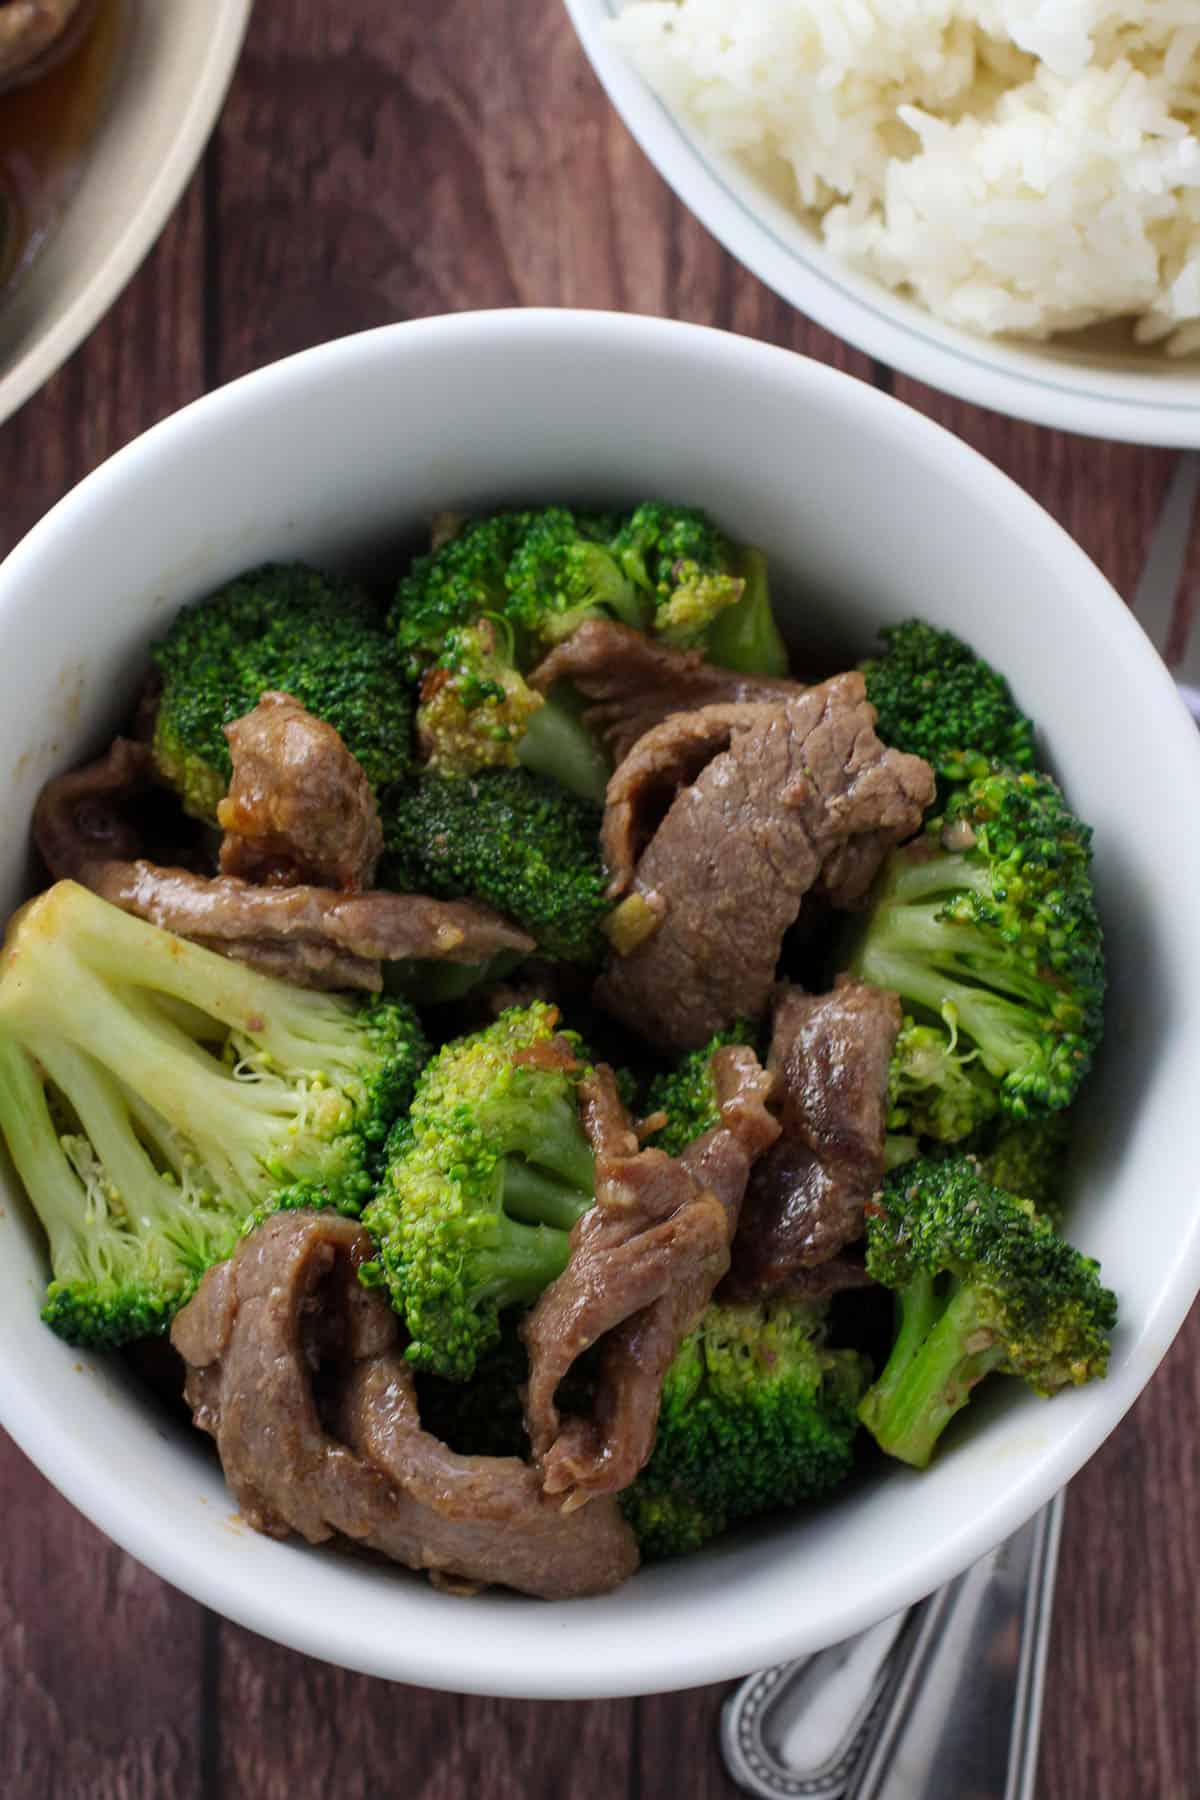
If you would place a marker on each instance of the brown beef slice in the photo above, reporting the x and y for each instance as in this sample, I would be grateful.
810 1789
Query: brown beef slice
830 1055
359 1465
803 795
633 683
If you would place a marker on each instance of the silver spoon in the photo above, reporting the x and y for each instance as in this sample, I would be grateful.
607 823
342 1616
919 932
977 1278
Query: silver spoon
942 1699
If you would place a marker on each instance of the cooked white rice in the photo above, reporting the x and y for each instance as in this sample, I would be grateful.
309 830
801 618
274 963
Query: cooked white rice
1022 166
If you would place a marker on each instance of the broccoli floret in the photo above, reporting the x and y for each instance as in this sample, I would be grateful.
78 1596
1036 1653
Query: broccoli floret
474 707
657 538
687 1093
561 574
706 593
156 1096
283 627
507 837
535 577
983 1285
936 1088
460 582
757 1413
1026 1156
987 924
936 698
470 620
483 1183
688 614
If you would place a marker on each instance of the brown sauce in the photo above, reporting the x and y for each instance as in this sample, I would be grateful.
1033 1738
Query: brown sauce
45 132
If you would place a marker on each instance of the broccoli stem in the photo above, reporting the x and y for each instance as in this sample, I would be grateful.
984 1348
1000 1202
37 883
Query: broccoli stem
940 1354
914 878
558 745
535 1198
525 1259
145 1049
999 1027
97 1102
37 1154
745 636
548 1134
110 943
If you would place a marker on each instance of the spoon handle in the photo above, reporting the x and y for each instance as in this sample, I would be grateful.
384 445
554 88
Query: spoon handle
942 1699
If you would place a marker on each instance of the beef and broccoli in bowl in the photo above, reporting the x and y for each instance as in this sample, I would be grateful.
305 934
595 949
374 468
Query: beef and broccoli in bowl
567 1073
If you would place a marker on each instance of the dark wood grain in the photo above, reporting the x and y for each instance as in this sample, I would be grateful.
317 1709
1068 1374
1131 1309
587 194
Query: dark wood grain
378 162
290 1726
101 1664
144 361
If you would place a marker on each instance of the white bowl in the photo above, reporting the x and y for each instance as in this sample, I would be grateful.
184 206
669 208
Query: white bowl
869 513
1143 398
174 66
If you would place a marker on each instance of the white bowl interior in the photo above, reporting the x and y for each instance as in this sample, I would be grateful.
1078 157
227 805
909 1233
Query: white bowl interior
1091 384
174 66
869 514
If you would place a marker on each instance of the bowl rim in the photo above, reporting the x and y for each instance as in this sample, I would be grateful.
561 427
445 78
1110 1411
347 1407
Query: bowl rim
140 228
481 1661
1003 374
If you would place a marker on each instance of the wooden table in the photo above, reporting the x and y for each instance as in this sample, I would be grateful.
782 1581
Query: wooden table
380 161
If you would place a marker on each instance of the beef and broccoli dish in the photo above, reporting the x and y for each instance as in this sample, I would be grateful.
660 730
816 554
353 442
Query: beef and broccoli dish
564 1076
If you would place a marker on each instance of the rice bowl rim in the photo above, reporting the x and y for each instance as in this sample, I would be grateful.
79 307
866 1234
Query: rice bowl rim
1044 384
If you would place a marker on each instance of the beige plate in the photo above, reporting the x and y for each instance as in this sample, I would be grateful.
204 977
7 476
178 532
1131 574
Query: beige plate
172 74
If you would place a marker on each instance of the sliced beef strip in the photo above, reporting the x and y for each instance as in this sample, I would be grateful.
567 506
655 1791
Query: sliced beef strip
259 1331
729 866
84 826
634 683
643 1265
805 1201
642 788
299 809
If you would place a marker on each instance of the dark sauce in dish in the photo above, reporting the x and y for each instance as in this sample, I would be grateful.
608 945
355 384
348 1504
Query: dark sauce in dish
45 132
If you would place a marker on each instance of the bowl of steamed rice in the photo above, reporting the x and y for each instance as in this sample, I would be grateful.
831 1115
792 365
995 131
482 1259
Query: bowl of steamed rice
1000 197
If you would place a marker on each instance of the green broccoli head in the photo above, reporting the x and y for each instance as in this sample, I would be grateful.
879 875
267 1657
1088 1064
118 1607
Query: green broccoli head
562 573
527 580
510 838
657 539
455 585
283 627
483 1183
1025 1156
687 1094
159 1097
757 1413
686 618
984 1285
707 594
474 707
936 1088
936 698
987 924
472 617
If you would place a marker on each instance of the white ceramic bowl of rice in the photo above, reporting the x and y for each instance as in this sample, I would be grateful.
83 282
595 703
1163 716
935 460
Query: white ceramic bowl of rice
999 197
